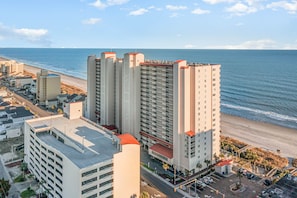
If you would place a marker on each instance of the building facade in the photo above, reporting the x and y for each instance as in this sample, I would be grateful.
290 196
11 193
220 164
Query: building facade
11 67
77 158
172 108
48 87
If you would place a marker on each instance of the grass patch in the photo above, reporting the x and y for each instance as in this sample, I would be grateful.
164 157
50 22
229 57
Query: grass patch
19 178
28 193
149 168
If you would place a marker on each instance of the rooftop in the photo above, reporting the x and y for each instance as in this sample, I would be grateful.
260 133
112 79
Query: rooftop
83 143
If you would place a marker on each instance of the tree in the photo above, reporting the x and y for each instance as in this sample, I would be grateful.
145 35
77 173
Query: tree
4 187
216 157
145 195
207 162
199 166
239 175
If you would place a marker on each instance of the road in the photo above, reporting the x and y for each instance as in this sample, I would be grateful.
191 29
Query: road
160 184
39 112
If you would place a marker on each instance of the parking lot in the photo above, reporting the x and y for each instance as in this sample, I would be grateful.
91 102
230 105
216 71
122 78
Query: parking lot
221 187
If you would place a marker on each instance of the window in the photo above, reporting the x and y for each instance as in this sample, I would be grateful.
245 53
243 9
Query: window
105 183
59 157
105 175
105 191
105 167
88 189
89 181
89 172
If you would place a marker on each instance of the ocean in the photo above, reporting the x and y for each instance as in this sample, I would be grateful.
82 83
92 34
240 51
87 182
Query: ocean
259 85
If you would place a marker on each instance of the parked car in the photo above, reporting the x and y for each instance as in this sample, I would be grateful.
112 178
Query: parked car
267 182
250 175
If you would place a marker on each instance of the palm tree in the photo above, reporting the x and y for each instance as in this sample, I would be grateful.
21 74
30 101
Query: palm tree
199 166
4 187
239 175
207 162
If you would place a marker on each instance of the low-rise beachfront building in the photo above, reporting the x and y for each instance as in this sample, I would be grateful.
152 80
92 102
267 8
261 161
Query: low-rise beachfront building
48 87
171 107
20 82
77 158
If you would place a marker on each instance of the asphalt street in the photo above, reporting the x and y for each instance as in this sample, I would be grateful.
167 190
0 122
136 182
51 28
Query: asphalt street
160 184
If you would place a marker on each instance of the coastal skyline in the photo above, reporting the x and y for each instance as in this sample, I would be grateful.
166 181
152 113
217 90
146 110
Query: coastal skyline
206 24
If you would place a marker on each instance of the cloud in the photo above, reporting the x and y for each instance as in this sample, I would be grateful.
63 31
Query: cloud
200 11
101 5
240 9
30 34
254 44
218 1
91 21
98 4
172 7
138 12
36 36
291 7
116 2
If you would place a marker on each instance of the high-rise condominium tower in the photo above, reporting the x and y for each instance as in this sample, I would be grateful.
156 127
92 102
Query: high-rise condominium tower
48 86
173 108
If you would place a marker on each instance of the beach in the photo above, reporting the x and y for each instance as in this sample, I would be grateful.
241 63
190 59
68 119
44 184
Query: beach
262 135
258 134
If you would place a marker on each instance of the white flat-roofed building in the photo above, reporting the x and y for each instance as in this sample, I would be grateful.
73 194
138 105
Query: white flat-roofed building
77 158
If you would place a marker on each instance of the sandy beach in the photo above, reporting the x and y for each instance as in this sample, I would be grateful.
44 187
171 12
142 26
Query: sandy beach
258 134
263 135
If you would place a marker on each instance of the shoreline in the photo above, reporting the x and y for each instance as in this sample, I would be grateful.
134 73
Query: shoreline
263 135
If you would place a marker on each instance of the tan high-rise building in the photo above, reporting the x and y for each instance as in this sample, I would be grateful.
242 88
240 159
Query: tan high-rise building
48 87
11 67
173 108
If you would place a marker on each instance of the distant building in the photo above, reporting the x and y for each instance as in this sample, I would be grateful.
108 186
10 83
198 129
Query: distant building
77 158
11 67
15 114
21 81
48 87
12 120
74 104
172 108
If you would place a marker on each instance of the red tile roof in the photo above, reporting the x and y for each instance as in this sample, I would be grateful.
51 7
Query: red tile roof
178 61
127 139
224 162
190 133
108 52
162 150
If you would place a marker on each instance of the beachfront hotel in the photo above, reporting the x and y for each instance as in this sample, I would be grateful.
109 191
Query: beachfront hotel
11 67
48 87
74 157
172 108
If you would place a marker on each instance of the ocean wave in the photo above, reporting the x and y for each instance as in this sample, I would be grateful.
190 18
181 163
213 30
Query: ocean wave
269 114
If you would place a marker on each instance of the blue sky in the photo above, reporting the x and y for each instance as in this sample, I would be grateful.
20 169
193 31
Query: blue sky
203 24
